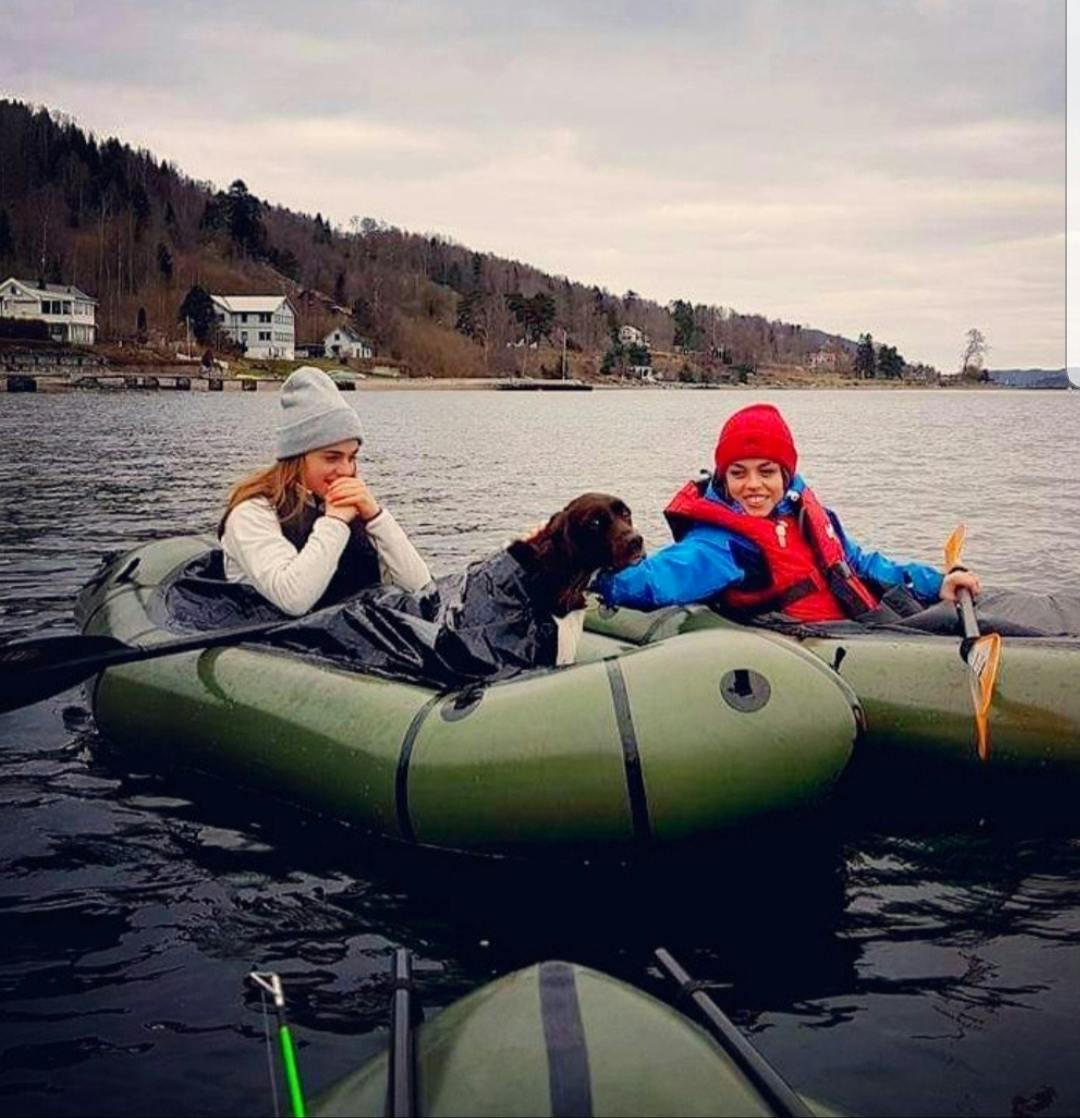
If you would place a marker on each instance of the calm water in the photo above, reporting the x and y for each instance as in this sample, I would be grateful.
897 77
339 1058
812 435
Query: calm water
915 951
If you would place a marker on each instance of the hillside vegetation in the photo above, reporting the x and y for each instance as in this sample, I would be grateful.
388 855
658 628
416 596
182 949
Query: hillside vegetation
136 233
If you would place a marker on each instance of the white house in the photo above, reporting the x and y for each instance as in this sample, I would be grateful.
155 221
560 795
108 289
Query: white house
265 325
829 359
344 341
69 312
631 335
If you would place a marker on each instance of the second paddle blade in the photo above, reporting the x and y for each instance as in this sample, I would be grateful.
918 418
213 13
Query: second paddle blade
32 670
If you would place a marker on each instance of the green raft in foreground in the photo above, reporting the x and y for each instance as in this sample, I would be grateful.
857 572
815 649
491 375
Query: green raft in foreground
561 1039
697 733
914 688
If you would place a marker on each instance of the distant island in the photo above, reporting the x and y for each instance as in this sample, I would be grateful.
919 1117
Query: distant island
1030 378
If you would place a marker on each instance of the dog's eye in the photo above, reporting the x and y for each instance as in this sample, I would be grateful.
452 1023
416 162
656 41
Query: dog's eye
595 523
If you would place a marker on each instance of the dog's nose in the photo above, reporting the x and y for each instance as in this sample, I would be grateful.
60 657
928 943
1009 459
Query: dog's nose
636 542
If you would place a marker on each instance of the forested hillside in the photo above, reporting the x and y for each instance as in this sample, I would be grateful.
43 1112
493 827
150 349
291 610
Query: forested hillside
136 233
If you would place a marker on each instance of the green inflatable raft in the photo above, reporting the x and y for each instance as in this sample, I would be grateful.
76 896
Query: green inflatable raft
636 742
561 1039
914 687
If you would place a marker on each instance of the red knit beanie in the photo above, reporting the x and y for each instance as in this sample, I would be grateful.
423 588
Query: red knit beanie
758 431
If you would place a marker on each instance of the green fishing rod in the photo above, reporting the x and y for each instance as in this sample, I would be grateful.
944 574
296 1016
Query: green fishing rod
270 983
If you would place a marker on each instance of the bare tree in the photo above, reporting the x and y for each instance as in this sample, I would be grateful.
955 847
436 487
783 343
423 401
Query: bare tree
974 352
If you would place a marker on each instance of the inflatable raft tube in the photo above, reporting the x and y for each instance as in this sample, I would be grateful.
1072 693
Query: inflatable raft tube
914 687
632 744
561 1039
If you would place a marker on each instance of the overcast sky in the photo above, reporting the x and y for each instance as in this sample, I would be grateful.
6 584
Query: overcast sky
892 166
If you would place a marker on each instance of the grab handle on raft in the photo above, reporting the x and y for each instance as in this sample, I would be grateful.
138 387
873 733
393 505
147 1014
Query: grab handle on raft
982 654
777 1092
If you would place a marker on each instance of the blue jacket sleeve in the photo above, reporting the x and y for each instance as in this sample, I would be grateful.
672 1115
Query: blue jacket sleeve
923 580
700 565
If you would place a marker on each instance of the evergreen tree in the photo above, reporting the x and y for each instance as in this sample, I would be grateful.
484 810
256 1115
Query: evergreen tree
865 361
285 261
7 236
198 309
613 358
340 294
140 204
164 261
245 225
889 363
542 315
536 315
214 214
322 233
467 321
638 355
361 315
686 330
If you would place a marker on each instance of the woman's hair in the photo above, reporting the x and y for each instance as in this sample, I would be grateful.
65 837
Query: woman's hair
279 484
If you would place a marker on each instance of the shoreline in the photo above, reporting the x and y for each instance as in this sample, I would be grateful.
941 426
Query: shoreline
153 379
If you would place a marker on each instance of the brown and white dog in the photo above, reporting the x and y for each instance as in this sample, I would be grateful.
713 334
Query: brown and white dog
593 532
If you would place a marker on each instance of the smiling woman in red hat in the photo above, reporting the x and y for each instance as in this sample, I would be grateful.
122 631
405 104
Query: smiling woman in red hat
754 539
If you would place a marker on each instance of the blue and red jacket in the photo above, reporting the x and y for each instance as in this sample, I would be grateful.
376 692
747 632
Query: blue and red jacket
715 558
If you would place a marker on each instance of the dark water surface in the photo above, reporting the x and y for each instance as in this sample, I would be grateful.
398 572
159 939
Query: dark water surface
914 949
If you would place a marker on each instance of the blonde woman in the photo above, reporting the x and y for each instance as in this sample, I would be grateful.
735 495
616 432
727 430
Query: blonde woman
307 532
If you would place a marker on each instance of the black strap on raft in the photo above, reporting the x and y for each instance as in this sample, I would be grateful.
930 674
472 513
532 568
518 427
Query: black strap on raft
564 1037
635 779
775 1090
401 1059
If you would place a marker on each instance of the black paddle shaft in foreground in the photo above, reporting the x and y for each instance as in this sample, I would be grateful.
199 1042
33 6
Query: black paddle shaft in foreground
765 1078
35 669
401 1094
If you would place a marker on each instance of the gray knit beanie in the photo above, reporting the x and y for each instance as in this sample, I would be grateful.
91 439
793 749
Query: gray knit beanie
313 414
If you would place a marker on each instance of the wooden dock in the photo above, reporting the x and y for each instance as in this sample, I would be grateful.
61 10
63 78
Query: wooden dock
528 384
147 380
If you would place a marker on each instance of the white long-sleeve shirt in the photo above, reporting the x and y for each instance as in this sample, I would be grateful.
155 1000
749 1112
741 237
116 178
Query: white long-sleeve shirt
257 553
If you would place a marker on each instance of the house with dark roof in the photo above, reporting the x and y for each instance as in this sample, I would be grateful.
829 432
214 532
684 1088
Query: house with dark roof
344 341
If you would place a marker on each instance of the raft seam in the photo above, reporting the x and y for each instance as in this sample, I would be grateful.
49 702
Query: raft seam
564 1038
401 777
635 778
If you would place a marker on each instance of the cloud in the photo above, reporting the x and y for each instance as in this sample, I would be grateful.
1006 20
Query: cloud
896 168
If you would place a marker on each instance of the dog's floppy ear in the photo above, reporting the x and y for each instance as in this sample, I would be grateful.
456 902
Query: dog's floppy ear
565 533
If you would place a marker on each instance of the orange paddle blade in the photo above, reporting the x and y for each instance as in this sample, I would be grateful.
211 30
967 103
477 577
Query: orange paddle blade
983 662
954 547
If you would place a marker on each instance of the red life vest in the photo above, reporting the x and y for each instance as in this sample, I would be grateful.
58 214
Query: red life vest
809 578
